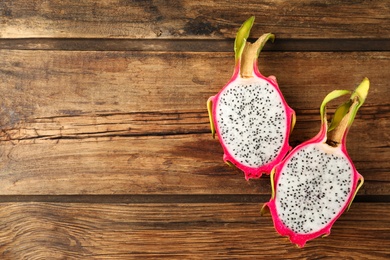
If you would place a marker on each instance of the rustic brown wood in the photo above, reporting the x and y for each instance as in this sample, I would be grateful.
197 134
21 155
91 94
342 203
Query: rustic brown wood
55 83
186 19
187 164
105 147
179 231
130 122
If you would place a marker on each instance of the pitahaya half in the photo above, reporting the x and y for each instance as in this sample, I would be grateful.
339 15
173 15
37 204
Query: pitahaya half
317 180
249 115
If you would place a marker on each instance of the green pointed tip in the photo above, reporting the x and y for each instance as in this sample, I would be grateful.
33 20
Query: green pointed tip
293 121
340 112
362 90
263 39
242 35
345 113
230 164
361 181
271 37
264 210
361 94
332 95
210 112
272 176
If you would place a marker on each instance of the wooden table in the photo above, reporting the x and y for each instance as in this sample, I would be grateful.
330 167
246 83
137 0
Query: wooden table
106 151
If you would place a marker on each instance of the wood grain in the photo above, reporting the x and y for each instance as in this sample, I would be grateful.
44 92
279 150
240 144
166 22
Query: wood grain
105 147
179 231
185 19
67 83
188 164
135 122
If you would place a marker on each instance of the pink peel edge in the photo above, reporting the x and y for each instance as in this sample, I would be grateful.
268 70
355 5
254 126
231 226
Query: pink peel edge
255 172
301 239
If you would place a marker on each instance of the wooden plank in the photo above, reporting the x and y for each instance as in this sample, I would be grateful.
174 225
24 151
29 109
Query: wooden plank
179 231
41 84
105 150
177 164
185 19
154 165
112 123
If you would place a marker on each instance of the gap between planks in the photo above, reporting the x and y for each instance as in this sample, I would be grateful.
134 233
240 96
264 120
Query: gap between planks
185 45
163 198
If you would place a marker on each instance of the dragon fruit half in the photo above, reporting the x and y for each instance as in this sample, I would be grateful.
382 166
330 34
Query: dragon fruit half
317 181
249 114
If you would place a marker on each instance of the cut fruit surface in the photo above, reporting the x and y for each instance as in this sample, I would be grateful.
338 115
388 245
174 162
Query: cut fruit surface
250 115
317 180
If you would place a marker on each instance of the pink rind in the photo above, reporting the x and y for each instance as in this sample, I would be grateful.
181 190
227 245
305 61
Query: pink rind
301 239
251 172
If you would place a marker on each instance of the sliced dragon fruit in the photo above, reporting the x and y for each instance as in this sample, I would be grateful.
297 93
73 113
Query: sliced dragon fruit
317 180
249 115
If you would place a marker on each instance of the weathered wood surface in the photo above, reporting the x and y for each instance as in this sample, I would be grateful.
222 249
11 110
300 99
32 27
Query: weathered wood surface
130 122
179 231
189 19
105 147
